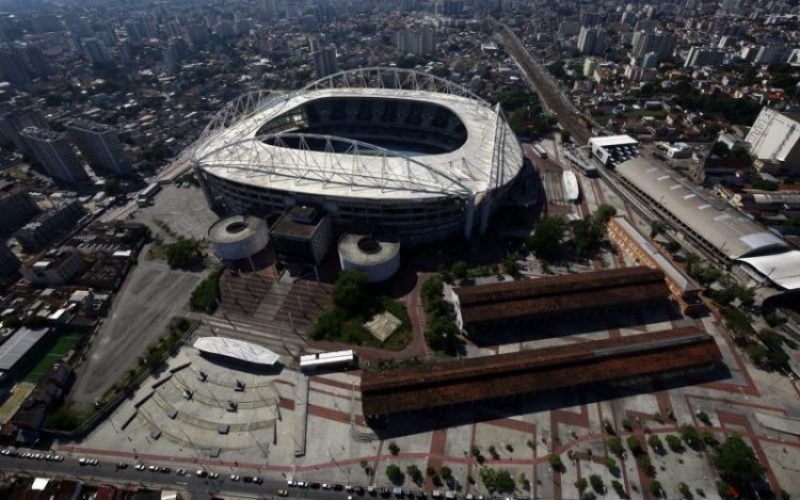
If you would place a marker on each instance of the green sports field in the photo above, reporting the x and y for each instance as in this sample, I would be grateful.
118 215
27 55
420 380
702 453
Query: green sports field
62 345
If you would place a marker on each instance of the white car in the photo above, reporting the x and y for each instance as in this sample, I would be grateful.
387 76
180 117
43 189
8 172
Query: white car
181 472
213 475
201 473
235 477
140 466
153 468
290 483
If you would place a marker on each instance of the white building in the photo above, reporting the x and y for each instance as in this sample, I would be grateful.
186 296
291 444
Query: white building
419 42
55 154
702 56
100 145
776 136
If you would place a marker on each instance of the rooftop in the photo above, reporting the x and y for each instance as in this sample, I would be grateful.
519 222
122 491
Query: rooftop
18 345
475 379
730 232
300 221
560 294
236 349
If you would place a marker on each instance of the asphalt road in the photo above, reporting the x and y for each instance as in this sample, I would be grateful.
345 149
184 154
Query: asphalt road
196 487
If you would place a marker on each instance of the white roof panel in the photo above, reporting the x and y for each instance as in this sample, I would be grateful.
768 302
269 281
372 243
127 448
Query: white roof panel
727 230
613 140
783 269
236 349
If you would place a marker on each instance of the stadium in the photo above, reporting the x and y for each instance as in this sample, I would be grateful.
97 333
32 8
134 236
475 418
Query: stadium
377 148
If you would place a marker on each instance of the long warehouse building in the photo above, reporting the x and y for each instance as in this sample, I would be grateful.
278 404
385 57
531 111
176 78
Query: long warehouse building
682 350
718 229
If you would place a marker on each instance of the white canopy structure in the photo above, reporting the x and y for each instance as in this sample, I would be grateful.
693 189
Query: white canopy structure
783 269
236 349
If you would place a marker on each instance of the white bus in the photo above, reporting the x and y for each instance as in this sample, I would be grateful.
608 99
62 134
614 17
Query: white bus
335 359
145 196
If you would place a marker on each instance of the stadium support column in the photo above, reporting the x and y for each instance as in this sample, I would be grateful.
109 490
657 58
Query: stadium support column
470 217
486 210
198 174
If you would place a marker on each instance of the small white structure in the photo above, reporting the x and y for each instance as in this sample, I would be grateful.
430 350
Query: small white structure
328 359
238 237
376 255
569 182
236 349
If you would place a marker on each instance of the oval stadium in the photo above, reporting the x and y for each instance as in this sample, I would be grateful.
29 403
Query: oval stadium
377 149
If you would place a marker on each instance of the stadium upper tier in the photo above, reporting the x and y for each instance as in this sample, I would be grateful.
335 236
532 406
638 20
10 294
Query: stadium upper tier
367 145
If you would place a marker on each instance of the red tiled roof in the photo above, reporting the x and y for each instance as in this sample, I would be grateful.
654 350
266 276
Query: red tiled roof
476 379
560 294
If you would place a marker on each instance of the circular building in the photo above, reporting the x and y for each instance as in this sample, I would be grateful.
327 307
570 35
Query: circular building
377 256
379 148
238 237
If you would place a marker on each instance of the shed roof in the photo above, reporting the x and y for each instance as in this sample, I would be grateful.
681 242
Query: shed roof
475 379
730 232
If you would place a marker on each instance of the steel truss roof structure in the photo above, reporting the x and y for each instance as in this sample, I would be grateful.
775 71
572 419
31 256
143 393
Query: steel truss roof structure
232 148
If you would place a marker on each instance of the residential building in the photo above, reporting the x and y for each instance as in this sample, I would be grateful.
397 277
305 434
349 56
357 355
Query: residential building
101 146
58 267
9 263
704 56
49 226
592 41
95 51
16 207
13 122
660 43
325 61
55 154
419 42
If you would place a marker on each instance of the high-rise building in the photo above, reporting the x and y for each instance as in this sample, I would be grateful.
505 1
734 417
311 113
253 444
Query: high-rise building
95 51
419 42
702 56
325 61
16 207
55 154
660 43
12 67
13 123
9 263
592 41
100 145
772 54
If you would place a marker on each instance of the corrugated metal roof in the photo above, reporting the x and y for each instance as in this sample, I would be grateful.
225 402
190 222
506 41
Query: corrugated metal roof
723 227
18 345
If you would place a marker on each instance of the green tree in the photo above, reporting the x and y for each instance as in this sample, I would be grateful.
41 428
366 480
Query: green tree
634 445
555 461
690 435
446 473
657 227
597 484
615 445
184 253
459 270
413 472
510 264
581 484
655 443
737 463
656 488
349 292
547 237
674 443
394 474
393 448
603 213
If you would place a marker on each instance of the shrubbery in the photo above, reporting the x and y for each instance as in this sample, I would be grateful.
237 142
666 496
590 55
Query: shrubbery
204 296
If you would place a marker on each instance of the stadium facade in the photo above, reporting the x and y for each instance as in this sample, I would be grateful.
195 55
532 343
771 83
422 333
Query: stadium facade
377 149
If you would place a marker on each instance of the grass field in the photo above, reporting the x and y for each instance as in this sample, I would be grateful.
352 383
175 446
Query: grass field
63 344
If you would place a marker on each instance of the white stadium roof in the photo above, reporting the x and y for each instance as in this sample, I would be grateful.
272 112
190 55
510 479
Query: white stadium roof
236 349
783 269
490 157
730 232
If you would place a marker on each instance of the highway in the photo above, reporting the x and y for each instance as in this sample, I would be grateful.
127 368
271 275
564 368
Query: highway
196 487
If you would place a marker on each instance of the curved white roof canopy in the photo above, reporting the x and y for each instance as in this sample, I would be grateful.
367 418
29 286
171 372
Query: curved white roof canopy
783 269
230 147
236 349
